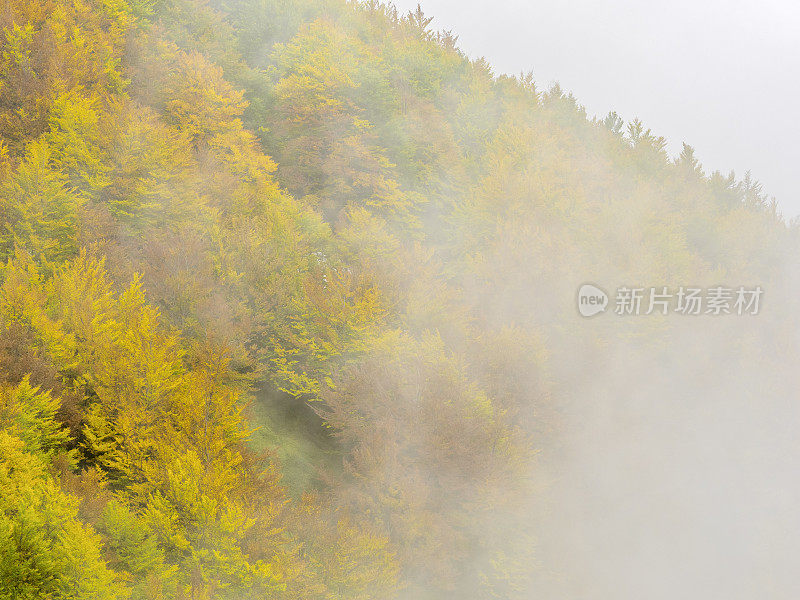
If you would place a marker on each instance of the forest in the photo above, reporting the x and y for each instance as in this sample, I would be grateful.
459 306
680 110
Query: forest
287 311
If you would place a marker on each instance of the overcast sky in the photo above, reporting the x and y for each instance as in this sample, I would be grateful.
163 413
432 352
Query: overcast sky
721 75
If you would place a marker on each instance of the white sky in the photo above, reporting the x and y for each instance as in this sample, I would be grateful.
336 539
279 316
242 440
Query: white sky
721 75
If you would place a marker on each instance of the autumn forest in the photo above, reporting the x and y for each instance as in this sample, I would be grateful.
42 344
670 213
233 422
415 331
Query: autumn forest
287 307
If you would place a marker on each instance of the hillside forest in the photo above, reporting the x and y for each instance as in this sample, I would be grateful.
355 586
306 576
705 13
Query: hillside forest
287 311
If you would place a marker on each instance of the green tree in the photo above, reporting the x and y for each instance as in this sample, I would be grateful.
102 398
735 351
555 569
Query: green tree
45 551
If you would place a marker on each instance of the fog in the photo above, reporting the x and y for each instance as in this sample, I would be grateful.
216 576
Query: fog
672 473
718 75
356 263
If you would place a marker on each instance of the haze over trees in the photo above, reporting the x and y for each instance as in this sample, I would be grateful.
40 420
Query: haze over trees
287 301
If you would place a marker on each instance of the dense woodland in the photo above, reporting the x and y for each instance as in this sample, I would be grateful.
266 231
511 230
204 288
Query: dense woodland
287 301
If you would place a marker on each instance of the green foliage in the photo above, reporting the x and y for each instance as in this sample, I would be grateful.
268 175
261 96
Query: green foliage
31 415
39 213
45 551
137 553
326 202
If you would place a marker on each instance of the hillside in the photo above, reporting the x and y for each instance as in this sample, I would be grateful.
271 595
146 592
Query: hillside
288 310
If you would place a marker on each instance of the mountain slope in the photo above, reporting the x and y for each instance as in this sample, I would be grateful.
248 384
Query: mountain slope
300 280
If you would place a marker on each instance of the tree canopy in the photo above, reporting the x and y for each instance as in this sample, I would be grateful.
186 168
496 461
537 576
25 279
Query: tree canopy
286 300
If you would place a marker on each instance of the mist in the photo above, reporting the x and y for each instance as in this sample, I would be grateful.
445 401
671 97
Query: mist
711 74
302 300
